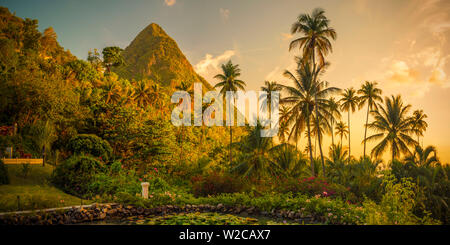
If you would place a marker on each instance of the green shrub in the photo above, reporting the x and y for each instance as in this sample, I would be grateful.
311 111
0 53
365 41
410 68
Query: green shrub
216 183
397 204
4 177
76 174
92 145
313 186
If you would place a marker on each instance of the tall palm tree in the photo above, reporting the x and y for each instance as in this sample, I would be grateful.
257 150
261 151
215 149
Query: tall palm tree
314 41
419 124
315 37
268 87
341 130
370 95
394 127
335 114
142 94
305 97
349 102
229 82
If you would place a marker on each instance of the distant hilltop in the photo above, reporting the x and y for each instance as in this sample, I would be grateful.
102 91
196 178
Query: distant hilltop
155 55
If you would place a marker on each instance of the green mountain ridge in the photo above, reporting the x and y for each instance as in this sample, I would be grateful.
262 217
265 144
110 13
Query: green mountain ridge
155 55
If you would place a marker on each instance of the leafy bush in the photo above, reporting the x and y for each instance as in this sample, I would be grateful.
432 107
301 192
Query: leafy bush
434 187
76 174
216 183
92 145
397 204
313 186
4 177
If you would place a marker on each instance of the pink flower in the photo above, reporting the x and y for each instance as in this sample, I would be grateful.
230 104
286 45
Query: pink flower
140 179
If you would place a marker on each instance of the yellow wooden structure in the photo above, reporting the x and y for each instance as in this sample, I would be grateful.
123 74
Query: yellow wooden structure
23 161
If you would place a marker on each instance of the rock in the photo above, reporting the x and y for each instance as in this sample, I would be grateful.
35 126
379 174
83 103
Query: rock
102 216
291 215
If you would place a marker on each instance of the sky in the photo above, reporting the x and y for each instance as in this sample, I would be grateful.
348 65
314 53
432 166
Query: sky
400 44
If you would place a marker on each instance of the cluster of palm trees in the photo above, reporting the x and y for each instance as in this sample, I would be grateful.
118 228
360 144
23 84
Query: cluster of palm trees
142 93
308 105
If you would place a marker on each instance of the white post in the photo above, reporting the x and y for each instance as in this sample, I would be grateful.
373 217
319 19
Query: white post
145 189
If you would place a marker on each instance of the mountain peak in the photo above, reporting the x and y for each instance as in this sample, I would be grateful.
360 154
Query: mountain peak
154 30
155 55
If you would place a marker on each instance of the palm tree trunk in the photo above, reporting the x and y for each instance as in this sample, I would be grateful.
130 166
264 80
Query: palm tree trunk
321 155
310 149
231 142
315 146
317 115
349 149
365 130
332 133
393 155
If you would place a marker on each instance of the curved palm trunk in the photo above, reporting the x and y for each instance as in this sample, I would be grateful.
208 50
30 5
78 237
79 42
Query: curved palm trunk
349 149
310 149
365 130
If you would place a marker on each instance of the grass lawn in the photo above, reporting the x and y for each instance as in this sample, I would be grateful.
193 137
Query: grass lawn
33 189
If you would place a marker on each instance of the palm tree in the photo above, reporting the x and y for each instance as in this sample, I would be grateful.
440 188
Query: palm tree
111 92
370 95
257 160
335 113
306 96
284 127
142 94
394 127
349 102
318 131
268 87
341 130
419 124
315 36
157 96
314 41
423 157
229 82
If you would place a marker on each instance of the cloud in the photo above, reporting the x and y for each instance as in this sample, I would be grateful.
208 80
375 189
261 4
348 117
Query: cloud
210 65
224 13
286 36
170 2
417 73
433 14
400 72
